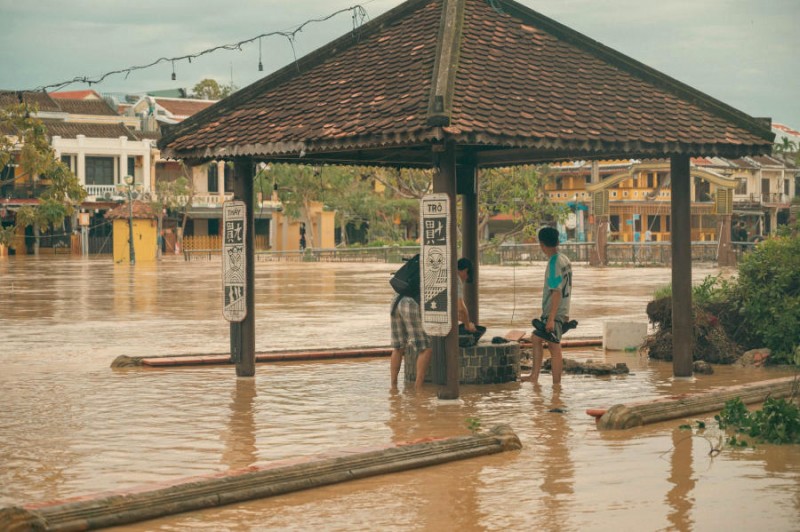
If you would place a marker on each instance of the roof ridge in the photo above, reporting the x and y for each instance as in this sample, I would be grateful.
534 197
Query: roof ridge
445 67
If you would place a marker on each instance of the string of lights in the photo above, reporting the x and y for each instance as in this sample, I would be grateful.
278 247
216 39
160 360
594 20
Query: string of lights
359 15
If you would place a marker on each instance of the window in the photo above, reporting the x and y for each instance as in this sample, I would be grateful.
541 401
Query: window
69 161
741 185
229 176
613 223
213 226
99 170
654 223
213 178
132 166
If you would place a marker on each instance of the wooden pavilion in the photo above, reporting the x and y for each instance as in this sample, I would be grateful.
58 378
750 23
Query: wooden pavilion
459 85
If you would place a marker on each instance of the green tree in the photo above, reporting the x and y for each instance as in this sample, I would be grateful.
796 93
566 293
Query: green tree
23 139
210 89
348 190
176 196
518 192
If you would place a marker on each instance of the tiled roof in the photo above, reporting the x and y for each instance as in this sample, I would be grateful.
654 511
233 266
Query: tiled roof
182 107
140 209
41 100
85 107
512 80
70 130
76 95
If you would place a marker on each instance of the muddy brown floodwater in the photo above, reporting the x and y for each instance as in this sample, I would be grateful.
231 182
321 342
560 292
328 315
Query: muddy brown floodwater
70 425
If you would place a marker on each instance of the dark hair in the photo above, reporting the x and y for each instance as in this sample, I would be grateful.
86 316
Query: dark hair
549 236
466 264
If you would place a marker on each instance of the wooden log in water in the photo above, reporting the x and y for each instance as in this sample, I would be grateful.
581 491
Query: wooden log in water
636 414
195 493
126 361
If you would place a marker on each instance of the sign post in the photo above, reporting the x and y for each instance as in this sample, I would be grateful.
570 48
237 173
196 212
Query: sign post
435 264
234 275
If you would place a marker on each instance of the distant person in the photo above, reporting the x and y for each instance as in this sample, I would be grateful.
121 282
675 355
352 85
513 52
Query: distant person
556 295
464 276
406 320
302 237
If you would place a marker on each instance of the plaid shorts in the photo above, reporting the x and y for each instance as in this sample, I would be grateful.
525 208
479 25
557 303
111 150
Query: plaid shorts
407 326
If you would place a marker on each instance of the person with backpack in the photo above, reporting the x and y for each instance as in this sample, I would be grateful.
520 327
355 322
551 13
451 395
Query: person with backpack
406 320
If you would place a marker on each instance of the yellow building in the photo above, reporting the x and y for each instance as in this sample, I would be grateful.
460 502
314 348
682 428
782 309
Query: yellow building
145 232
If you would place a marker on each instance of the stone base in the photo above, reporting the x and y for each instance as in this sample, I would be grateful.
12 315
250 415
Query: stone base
485 363
623 335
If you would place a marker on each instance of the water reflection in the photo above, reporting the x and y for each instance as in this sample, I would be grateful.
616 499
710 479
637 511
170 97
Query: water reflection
682 479
558 470
239 438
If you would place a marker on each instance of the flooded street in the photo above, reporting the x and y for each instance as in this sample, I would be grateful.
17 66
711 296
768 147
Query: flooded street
71 425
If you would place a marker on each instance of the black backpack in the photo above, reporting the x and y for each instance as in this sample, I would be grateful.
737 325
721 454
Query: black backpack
406 280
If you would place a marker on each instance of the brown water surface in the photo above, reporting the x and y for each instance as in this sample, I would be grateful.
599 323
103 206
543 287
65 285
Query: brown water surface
72 426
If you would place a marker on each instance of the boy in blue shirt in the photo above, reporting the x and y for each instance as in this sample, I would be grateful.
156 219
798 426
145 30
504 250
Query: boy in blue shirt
556 295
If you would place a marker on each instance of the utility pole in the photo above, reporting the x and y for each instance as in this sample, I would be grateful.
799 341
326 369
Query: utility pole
129 184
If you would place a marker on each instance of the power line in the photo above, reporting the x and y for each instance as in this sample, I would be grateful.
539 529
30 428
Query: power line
359 14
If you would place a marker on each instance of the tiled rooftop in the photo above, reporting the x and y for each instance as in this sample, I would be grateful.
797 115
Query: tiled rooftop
85 107
182 107
70 130
522 81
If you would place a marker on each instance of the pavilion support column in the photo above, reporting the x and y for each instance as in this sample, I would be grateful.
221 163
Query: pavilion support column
467 186
444 181
682 321
243 334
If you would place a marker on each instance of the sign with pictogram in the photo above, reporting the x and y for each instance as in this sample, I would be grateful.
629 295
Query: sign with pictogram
234 274
435 264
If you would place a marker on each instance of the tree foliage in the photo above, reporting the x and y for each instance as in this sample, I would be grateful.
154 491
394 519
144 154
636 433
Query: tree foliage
518 192
24 140
210 89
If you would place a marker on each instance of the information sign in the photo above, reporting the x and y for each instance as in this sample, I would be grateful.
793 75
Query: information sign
435 264
234 275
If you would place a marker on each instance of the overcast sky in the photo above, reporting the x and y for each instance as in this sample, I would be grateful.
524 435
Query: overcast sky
742 52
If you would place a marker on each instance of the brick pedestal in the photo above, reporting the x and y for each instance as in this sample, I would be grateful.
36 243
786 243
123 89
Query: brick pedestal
485 363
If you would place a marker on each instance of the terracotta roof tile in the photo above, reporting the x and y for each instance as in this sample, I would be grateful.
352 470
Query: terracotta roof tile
70 130
85 107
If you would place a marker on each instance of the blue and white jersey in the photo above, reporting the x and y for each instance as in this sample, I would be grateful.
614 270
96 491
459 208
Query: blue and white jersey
557 276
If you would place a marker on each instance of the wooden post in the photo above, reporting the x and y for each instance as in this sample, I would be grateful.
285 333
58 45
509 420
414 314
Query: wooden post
444 181
682 322
467 186
725 254
246 330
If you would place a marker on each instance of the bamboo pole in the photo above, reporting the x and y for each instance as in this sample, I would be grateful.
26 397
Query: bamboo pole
636 414
195 493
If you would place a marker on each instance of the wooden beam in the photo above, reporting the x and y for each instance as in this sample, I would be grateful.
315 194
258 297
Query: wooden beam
244 172
682 321
444 180
467 186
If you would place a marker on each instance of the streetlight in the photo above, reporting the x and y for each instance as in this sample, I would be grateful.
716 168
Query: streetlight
129 183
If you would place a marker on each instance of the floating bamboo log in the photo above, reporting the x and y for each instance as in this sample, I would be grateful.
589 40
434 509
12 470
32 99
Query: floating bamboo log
195 493
125 361
636 414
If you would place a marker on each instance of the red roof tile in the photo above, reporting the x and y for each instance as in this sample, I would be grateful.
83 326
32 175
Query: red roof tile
76 95
519 80
86 107
70 130
182 108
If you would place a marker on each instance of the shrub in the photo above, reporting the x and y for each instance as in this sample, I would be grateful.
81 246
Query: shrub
769 295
